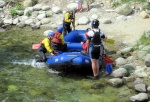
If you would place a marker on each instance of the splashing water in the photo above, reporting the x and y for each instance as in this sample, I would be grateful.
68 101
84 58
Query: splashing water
31 62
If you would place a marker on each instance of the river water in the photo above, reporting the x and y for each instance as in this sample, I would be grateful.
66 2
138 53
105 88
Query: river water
22 81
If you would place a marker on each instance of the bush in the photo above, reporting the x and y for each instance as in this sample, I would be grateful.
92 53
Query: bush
13 11
19 7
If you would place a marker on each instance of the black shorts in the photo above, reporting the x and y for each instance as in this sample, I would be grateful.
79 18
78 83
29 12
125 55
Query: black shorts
94 52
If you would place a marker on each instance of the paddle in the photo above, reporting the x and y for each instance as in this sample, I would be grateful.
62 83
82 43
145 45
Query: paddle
108 62
110 41
36 46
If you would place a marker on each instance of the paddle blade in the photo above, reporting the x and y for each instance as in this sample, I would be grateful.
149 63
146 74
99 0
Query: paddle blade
109 68
110 41
35 46
107 59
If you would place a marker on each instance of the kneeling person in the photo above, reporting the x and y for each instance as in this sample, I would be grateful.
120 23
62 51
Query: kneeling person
46 46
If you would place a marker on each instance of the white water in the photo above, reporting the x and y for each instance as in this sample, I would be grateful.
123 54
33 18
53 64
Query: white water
33 63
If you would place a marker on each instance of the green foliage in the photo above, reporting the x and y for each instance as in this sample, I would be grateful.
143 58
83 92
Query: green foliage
147 7
19 7
13 11
115 4
145 41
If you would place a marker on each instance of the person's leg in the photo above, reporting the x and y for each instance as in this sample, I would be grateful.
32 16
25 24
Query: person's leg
64 47
79 6
43 56
88 5
68 28
94 69
64 29
97 67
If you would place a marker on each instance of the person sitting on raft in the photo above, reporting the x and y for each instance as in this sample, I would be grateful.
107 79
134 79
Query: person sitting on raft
58 42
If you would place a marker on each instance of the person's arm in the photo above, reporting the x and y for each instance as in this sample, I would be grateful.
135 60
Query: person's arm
103 37
48 46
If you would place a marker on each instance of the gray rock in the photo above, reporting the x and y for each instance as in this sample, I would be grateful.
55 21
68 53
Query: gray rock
139 97
140 87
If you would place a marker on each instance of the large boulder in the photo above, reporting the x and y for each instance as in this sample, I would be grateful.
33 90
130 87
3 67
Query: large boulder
72 6
125 9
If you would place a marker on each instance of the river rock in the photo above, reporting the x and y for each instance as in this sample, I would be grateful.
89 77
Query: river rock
45 8
139 97
83 20
140 87
2 3
119 72
45 20
124 9
72 6
144 15
120 61
147 60
56 10
116 81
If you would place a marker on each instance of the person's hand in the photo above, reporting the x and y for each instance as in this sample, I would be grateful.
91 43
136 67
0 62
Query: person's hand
52 54
81 43
72 20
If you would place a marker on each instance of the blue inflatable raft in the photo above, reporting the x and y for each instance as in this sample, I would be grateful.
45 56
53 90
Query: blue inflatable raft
73 58
69 60
74 38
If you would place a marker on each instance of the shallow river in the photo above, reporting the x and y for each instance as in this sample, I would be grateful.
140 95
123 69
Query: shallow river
22 81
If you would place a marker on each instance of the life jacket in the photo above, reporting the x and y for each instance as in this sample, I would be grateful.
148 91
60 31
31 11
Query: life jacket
95 40
56 39
71 16
85 45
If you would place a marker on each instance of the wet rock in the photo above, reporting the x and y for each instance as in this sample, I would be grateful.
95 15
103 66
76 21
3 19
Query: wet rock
115 82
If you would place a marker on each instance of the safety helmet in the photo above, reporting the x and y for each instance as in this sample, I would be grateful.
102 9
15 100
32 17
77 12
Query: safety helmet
51 33
60 29
95 23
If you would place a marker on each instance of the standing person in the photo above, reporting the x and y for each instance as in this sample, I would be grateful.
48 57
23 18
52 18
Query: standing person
88 5
79 9
94 38
69 18
58 42
46 47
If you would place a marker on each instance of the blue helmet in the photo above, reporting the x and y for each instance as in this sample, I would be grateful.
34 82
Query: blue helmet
51 33
60 29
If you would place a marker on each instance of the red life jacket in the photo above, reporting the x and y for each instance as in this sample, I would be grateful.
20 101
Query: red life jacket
85 46
56 39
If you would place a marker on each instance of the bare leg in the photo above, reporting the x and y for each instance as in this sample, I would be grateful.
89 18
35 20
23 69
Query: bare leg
94 69
97 67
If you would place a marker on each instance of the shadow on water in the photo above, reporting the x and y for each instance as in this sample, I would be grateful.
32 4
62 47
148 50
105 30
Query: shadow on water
20 81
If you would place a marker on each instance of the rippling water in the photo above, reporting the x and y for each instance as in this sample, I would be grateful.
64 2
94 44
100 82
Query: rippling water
24 80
